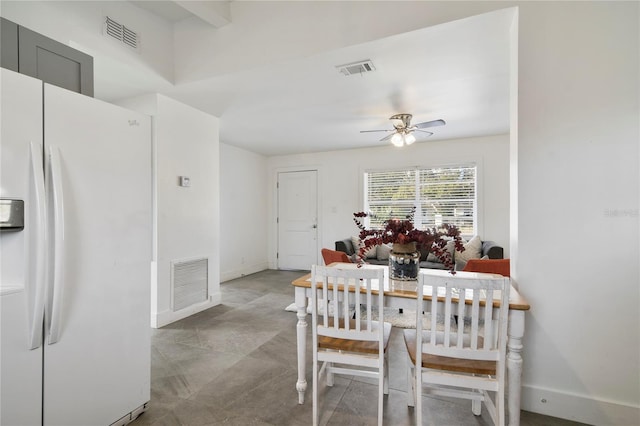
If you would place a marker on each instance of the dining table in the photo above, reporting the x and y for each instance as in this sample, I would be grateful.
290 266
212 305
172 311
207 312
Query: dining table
402 294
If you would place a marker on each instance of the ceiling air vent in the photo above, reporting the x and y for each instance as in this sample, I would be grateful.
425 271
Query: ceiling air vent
121 33
359 67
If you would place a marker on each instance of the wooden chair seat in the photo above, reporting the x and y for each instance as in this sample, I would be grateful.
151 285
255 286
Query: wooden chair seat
359 346
446 363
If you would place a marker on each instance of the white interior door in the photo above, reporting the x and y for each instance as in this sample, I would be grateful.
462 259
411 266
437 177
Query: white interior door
297 219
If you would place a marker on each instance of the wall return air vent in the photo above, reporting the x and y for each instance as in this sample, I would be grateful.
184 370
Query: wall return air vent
189 281
359 67
121 33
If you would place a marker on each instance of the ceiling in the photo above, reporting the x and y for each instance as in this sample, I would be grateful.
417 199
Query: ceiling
458 72
166 9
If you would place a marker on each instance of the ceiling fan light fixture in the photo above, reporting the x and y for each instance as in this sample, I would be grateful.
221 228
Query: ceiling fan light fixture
403 130
409 139
397 140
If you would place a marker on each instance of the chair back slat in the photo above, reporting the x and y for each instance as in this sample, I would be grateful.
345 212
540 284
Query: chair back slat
345 301
461 309
447 314
334 301
434 320
325 299
369 308
357 296
475 318
488 321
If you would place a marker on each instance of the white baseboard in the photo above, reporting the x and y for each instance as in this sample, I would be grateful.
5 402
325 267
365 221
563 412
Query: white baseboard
163 318
241 272
579 408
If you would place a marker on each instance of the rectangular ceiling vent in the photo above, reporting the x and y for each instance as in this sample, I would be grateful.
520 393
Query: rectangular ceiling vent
359 67
121 33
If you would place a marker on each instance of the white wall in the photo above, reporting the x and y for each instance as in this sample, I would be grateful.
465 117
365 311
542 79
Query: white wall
186 219
340 185
243 212
578 133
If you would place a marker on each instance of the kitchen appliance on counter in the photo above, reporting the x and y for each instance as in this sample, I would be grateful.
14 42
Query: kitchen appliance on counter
75 254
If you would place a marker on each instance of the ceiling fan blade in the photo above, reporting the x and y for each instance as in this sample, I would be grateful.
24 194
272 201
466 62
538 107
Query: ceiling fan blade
433 123
386 138
369 131
424 131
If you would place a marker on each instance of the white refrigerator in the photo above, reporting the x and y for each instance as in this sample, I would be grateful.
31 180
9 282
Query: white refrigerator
75 278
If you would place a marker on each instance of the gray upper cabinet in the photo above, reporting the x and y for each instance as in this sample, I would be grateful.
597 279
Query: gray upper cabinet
9 45
30 53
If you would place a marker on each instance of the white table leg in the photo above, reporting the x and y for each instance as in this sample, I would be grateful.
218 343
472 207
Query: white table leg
514 364
301 305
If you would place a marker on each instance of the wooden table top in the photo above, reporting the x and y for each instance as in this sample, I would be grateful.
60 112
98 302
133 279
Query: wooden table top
404 288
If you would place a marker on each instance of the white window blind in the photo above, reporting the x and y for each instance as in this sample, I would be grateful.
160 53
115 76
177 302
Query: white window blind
439 195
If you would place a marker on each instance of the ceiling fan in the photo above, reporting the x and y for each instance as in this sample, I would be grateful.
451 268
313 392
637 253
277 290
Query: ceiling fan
402 129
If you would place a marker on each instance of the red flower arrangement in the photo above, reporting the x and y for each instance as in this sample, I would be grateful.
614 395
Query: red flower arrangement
402 231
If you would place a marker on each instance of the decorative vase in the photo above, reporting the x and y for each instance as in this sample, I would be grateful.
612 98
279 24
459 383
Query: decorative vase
404 262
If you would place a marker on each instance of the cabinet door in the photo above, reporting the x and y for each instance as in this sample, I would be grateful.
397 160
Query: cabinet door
54 62
8 45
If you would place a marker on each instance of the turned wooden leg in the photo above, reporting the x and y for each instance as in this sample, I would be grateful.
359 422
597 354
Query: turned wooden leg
301 306
514 364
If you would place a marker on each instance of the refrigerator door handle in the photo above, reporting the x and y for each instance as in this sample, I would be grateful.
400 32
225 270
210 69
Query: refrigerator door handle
37 248
57 195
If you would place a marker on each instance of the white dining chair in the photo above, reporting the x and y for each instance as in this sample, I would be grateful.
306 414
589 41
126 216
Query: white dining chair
463 361
346 341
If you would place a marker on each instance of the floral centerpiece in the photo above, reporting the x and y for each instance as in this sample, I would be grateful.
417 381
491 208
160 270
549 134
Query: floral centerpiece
401 232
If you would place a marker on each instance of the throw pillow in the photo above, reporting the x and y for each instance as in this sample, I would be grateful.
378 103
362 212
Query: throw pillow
383 251
355 241
450 247
472 250
369 254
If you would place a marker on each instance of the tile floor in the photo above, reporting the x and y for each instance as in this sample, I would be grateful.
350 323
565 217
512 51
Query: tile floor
235 364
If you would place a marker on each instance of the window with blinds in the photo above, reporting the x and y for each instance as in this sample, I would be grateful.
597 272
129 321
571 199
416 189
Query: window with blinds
439 195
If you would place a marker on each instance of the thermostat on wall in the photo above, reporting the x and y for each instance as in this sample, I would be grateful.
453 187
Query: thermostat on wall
184 181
